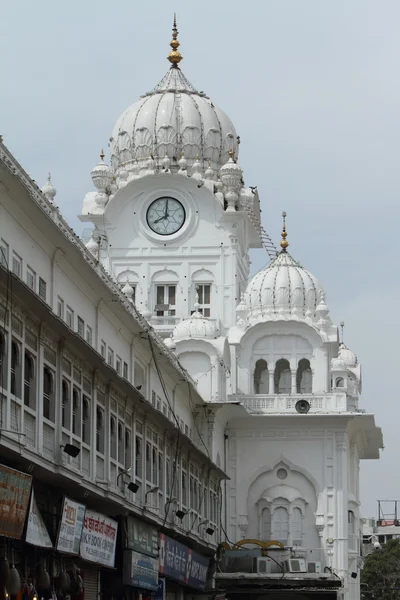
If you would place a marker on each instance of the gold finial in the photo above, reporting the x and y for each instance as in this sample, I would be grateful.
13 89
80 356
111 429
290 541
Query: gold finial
284 242
102 155
230 153
174 56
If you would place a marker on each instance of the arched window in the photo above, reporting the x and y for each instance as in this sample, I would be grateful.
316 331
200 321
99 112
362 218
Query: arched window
266 525
128 453
297 527
86 420
113 438
304 377
280 524
99 430
283 377
121 453
261 377
15 369
76 411
29 380
3 361
66 405
48 394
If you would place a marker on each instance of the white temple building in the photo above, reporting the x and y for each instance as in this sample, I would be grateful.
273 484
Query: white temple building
278 396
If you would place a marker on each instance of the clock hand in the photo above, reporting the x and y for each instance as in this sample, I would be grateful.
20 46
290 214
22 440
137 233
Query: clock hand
160 219
166 210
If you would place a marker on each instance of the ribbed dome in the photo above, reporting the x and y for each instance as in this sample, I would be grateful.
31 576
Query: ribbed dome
196 326
172 119
347 356
283 286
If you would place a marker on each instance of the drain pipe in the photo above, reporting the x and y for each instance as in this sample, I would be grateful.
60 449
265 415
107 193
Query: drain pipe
225 484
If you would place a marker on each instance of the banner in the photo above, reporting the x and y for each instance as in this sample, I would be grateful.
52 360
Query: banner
142 537
36 531
70 531
15 489
182 564
99 538
140 570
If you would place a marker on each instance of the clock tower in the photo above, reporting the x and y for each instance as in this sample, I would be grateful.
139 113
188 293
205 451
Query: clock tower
173 219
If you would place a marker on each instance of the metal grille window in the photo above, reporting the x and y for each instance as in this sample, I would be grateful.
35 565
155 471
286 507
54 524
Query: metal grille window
31 278
3 360
110 357
89 335
17 265
76 412
166 296
125 370
81 326
66 405
118 363
153 458
203 297
4 253
113 438
42 289
70 317
60 307
103 349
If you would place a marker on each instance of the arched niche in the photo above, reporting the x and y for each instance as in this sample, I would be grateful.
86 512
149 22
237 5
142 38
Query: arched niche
279 488
304 377
282 377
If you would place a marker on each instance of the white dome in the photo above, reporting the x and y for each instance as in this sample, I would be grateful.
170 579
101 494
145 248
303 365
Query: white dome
283 286
347 356
196 326
171 120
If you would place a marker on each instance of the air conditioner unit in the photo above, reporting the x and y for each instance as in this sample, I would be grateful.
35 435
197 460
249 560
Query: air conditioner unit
295 565
313 567
263 565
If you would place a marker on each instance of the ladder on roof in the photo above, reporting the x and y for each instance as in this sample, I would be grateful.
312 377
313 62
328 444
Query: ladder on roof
265 239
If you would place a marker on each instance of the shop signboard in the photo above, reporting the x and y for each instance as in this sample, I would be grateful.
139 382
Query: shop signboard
142 537
160 593
140 570
71 525
15 489
99 539
36 531
182 564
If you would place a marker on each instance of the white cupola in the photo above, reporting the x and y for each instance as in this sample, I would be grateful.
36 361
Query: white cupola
49 190
173 119
284 289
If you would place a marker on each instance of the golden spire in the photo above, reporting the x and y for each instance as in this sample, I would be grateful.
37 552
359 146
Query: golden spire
284 242
102 155
174 56
230 153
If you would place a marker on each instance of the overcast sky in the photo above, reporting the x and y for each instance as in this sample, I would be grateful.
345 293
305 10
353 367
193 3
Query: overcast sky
312 87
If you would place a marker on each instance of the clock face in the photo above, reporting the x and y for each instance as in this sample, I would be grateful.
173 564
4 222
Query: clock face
165 216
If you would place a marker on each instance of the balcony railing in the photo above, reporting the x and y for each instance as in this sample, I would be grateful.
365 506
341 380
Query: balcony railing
279 403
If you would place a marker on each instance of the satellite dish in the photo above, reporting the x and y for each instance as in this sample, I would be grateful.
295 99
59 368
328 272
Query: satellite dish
302 407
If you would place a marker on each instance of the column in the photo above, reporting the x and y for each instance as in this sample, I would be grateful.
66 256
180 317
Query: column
271 373
341 546
294 382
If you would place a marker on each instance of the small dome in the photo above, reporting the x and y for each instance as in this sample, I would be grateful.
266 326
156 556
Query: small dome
49 190
347 356
283 286
196 326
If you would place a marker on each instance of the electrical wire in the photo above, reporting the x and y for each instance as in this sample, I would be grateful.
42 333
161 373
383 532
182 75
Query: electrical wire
175 461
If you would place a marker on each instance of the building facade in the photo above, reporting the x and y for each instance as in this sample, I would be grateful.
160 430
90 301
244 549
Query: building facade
227 399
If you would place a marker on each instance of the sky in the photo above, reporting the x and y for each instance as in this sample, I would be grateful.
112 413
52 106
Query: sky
313 89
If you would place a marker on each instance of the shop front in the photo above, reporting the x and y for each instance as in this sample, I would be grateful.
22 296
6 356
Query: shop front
140 559
50 546
185 571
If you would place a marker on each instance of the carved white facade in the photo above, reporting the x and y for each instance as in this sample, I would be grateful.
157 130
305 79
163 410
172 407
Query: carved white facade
277 400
